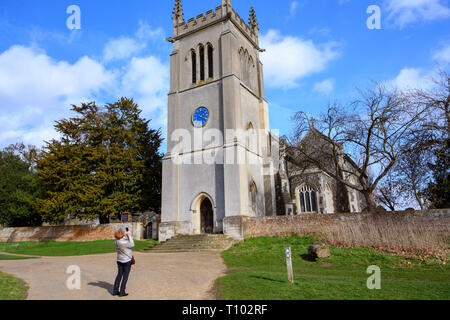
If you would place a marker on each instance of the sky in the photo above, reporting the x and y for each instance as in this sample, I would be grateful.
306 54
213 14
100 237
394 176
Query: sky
317 51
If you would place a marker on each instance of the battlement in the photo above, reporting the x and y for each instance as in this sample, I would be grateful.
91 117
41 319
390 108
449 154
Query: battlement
211 17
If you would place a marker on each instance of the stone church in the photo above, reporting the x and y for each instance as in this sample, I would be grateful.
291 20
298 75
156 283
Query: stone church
222 162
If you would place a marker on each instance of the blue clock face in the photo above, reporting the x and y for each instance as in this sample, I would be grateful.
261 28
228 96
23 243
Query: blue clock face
200 117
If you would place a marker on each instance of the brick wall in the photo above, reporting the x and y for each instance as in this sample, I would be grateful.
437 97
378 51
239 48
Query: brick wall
435 222
69 233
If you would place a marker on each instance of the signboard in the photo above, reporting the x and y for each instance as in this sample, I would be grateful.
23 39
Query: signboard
288 253
289 265
125 217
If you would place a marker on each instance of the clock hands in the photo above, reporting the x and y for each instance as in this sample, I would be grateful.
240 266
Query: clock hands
201 116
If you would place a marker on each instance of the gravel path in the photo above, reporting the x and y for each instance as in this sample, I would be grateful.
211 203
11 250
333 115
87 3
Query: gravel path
156 276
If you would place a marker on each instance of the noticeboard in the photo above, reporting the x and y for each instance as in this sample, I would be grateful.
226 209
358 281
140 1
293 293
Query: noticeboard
125 217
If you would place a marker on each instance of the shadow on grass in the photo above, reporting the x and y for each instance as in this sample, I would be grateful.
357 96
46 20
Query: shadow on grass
308 258
102 284
268 279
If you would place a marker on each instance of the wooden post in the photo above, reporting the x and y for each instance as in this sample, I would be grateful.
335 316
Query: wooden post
289 265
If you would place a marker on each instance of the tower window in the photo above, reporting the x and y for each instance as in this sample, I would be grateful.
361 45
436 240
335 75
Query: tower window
253 194
202 63
210 62
194 66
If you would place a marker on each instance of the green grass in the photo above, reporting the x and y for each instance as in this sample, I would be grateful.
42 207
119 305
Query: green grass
54 248
12 288
257 271
8 257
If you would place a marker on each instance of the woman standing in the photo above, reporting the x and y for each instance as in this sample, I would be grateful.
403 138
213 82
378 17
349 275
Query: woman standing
124 243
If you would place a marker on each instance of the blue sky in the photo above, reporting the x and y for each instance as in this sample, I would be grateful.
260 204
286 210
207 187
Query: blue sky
317 51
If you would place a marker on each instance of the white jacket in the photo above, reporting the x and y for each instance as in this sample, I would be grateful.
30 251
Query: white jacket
124 252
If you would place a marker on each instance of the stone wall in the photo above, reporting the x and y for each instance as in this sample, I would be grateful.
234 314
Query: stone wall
306 224
69 233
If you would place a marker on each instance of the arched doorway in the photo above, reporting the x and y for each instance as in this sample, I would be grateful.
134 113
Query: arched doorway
206 216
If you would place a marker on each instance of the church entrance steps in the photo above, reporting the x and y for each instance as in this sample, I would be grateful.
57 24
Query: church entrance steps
194 243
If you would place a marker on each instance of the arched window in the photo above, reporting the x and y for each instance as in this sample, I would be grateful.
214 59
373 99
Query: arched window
251 73
330 199
194 66
241 60
246 68
252 138
210 62
253 194
308 199
202 63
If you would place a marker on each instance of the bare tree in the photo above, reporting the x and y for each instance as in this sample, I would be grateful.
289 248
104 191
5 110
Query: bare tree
413 173
372 130
390 192
436 128
434 136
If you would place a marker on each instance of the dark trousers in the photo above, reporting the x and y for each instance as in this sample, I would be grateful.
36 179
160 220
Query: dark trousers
122 275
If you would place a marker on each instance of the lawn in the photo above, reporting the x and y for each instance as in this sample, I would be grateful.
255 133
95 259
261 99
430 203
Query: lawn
9 257
11 288
257 271
54 248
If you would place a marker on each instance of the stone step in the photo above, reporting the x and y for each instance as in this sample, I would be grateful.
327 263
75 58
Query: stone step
190 247
198 237
194 243
205 242
183 250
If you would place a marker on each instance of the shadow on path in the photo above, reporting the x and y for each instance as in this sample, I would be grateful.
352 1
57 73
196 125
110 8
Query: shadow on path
102 284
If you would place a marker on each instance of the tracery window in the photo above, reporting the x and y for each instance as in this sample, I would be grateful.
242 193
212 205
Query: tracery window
202 53
253 194
247 68
194 66
308 199
202 62
210 61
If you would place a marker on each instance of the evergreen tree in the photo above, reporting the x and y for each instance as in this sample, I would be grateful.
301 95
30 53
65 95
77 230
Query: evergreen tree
19 187
106 162
439 190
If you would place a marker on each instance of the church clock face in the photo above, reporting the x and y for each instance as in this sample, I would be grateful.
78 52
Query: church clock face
200 117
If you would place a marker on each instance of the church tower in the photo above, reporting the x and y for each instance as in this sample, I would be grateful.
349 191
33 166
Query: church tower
217 166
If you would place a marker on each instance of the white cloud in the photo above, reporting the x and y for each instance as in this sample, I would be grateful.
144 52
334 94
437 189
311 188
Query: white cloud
146 32
293 8
412 78
442 55
289 59
403 12
325 87
147 79
36 90
30 69
122 48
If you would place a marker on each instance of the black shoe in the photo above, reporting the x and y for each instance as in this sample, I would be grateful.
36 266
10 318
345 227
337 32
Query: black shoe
115 293
123 294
